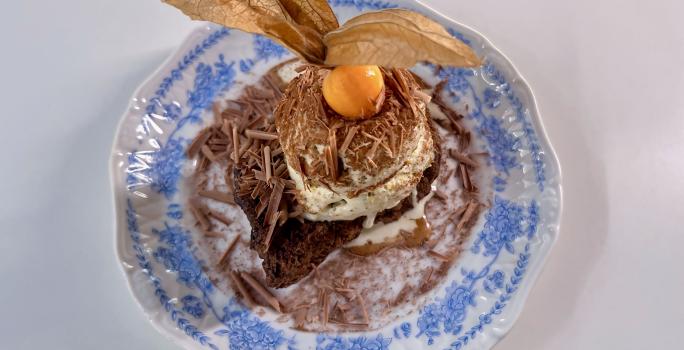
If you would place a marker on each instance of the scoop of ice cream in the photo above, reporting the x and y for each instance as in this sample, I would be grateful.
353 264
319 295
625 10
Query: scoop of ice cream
347 169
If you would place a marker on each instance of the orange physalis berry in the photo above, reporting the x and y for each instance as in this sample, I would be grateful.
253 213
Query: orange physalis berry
355 92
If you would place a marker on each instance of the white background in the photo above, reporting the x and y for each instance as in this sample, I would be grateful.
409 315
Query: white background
609 79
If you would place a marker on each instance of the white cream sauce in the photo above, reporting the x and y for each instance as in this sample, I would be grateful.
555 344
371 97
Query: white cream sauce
380 232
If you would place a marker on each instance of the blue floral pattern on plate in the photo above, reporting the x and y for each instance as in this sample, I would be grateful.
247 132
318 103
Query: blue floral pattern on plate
158 254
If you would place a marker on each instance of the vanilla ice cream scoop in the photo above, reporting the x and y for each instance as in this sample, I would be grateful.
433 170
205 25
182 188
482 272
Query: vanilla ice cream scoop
347 169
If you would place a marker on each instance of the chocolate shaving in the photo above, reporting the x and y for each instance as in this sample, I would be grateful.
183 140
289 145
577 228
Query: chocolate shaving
346 292
458 129
276 152
218 142
226 255
204 163
214 148
441 195
465 179
334 160
319 298
468 215
228 176
321 107
282 215
236 145
212 234
448 175
237 281
271 212
267 163
226 128
218 196
371 136
371 153
232 112
429 275
427 283
253 155
200 217
457 214
274 201
330 163
451 115
326 314
280 170
216 111
299 317
438 255
261 135
334 313
259 175
348 138
300 166
198 142
318 167
380 100
462 158
420 95
364 311
261 207
273 81
389 151
258 190
263 292
290 185
219 217
392 141
464 141
253 123
244 147
401 296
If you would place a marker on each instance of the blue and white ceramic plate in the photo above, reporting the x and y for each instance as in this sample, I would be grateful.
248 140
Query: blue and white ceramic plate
473 309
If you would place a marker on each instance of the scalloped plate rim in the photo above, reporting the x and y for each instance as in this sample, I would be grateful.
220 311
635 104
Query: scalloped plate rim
543 137
551 160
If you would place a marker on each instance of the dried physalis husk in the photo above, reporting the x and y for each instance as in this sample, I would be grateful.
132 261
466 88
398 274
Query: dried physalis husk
389 38
395 38
315 14
296 24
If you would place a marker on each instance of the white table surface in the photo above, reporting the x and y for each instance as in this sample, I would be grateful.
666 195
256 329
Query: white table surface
609 79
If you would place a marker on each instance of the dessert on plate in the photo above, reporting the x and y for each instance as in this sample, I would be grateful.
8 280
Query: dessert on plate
338 188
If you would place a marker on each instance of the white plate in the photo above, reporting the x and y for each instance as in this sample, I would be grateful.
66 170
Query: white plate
485 290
